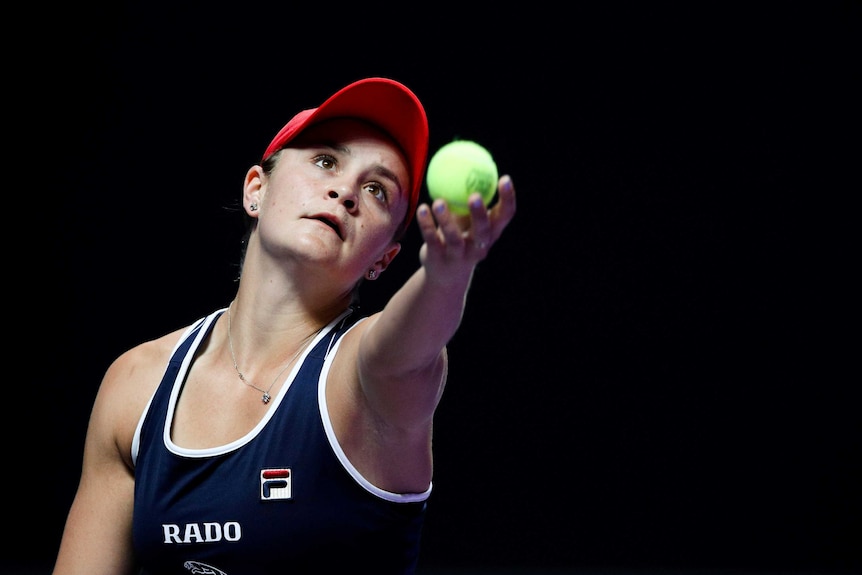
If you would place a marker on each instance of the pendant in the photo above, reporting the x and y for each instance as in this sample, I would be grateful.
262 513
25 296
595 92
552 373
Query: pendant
266 397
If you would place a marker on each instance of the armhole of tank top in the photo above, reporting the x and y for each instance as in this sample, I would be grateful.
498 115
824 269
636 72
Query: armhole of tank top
336 447
201 327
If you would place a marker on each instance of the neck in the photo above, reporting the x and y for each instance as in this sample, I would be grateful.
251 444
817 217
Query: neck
266 344
265 397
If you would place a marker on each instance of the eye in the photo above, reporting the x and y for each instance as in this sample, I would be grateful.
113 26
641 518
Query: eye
325 161
377 190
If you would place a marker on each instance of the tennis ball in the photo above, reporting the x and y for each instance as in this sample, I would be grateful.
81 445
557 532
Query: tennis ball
458 169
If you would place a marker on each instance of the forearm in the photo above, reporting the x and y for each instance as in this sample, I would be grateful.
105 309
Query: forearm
425 313
420 319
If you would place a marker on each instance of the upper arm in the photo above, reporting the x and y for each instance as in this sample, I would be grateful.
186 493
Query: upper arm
404 395
383 422
97 539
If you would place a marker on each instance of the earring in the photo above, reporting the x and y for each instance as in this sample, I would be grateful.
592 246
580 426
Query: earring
253 207
372 274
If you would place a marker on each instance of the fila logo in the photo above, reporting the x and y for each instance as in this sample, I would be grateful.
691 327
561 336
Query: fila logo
274 484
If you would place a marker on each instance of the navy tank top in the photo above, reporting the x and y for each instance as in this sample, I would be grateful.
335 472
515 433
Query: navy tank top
282 499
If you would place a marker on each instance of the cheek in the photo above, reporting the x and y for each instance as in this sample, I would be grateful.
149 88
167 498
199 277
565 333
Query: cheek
289 196
376 237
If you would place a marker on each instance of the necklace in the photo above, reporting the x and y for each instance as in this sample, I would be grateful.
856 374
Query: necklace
266 397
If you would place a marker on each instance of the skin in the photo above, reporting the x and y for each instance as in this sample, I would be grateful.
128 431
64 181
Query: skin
299 274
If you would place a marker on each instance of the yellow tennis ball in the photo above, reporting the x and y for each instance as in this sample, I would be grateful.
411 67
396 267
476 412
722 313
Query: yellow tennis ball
458 169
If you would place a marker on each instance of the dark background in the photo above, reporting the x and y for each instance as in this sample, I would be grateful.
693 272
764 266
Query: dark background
654 369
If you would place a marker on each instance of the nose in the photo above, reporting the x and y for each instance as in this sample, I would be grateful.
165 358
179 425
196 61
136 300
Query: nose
346 195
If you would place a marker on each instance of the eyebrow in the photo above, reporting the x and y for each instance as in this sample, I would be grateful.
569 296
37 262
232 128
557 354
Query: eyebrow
387 173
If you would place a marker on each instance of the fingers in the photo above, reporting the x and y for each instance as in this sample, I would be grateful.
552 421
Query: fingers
478 230
488 224
505 208
427 224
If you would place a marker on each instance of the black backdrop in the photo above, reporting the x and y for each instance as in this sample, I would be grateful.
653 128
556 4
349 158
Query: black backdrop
654 369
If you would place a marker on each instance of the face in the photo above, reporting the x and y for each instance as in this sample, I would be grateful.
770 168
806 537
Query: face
338 193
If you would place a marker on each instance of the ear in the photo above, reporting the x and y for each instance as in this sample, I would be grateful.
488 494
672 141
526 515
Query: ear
387 257
252 191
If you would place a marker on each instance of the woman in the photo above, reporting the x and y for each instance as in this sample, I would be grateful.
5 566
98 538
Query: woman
287 432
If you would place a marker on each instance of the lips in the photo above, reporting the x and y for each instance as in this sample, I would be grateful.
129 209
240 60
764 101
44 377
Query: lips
331 221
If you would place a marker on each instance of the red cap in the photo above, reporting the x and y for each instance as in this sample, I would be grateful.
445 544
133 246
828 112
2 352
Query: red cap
385 103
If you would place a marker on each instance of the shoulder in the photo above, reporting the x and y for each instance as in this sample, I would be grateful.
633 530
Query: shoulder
127 386
135 368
